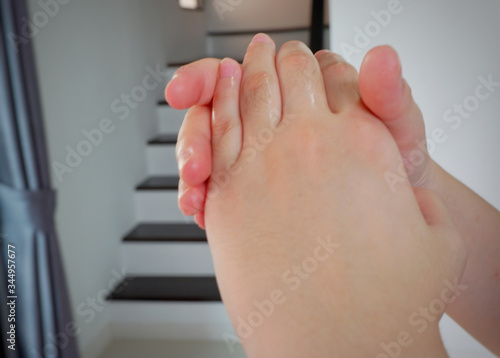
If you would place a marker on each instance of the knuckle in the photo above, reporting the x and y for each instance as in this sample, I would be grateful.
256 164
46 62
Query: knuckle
330 57
336 57
294 45
223 125
297 60
257 81
256 48
337 69
257 90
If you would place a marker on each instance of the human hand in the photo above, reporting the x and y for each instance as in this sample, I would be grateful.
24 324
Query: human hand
307 212
381 88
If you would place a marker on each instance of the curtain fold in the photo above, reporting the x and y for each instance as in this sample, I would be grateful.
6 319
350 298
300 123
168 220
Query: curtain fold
43 323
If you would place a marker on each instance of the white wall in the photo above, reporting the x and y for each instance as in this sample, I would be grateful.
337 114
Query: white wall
258 15
226 17
89 53
444 47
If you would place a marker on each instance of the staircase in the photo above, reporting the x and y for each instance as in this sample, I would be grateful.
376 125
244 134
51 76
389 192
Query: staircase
170 290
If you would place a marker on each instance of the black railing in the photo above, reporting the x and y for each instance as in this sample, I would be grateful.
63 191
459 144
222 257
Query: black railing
317 15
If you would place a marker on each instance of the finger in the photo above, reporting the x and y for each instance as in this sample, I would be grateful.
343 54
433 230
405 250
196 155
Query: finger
191 200
340 79
200 220
226 122
193 84
194 146
300 79
388 96
260 93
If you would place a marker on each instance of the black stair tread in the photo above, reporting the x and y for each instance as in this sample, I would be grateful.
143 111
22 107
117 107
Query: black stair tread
184 63
170 138
160 232
269 31
179 63
159 183
146 288
163 103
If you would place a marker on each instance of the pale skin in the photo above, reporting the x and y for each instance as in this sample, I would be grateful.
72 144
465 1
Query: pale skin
389 99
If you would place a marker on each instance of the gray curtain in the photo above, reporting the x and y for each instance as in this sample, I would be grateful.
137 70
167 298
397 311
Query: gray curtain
43 323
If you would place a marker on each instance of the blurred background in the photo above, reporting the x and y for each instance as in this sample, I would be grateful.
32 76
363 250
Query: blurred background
139 275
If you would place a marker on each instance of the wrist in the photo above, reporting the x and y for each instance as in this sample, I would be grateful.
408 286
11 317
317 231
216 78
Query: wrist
344 338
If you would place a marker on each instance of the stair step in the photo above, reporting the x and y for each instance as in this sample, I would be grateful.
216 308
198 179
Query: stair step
164 139
187 320
234 44
149 348
161 160
191 289
159 206
160 232
176 65
167 258
159 183
169 119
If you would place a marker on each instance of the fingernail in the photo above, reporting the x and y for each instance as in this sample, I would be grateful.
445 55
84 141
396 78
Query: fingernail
184 157
227 68
261 38
322 52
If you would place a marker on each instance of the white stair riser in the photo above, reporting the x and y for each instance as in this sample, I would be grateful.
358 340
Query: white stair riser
170 320
459 343
158 206
162 258
161 160
235 45
170 119
169 72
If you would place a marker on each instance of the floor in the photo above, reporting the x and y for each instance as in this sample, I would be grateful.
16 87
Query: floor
457 341
171 349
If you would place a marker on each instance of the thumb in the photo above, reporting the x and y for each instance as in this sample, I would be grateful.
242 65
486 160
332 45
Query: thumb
433 209
447 240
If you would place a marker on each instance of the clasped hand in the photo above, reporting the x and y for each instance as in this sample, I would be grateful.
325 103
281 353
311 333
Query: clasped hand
299 160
